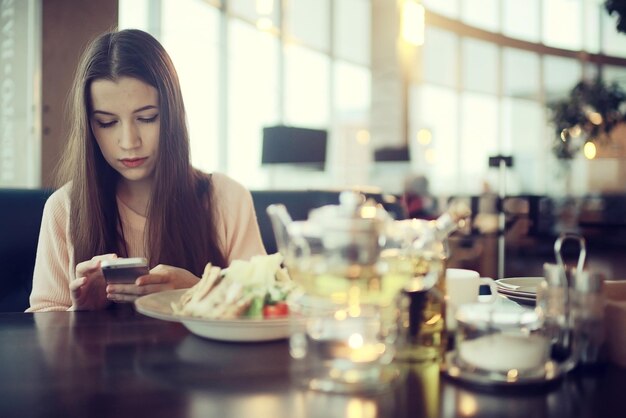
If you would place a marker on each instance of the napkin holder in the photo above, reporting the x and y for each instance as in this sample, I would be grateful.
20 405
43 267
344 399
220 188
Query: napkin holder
615 321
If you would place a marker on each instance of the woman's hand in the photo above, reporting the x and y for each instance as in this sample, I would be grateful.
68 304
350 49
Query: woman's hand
161 278
88 288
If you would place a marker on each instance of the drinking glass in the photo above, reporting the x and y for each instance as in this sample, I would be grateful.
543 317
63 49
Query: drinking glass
342 348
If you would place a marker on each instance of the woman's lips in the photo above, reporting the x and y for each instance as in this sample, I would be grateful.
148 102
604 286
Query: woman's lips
133 162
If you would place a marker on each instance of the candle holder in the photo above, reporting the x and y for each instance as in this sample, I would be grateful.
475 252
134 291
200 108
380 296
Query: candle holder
342 348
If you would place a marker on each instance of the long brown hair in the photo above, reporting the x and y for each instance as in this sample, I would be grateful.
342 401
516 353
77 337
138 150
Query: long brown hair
180 228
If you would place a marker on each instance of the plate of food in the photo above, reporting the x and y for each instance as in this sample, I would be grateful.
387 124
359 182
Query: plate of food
245 302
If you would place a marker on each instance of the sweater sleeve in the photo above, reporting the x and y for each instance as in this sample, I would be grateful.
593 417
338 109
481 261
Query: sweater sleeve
53 261
237 222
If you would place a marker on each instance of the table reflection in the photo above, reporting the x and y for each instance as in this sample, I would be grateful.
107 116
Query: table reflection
125 365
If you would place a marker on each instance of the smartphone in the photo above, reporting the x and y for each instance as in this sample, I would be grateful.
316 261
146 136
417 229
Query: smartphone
124 270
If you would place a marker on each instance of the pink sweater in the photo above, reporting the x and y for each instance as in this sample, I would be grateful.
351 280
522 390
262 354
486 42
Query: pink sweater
237 229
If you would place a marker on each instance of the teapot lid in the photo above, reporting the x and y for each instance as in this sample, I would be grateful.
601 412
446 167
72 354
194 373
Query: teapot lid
354 212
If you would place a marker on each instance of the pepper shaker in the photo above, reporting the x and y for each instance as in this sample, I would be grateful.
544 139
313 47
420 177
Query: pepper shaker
554 299
587 317
554 307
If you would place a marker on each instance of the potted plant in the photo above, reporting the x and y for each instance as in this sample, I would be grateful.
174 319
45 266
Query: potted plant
619 8
589 113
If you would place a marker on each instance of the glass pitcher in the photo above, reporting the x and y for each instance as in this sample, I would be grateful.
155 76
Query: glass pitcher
336 252
355 252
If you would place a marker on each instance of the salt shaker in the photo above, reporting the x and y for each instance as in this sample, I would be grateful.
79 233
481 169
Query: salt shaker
587 317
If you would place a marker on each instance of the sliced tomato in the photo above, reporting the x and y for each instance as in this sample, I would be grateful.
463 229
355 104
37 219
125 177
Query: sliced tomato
277 310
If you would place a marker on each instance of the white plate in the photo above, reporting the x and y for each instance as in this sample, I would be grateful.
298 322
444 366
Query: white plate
519 285
530 301
158 305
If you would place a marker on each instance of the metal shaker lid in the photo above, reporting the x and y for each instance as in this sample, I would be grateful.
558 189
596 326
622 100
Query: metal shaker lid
557 275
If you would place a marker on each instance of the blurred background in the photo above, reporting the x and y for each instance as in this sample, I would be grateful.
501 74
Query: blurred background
404 97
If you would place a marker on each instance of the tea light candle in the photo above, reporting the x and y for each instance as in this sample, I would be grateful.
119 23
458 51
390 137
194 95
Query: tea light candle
502 352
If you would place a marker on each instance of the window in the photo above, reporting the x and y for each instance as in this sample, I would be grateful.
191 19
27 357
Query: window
524 139
251 75
133 14
478 93
521 19
482 14
437 112
562 23
440 57
352 90
478 139
560 75
20 113
351 97
449 8
593 9
352 27
480 66
198 71
613 41
306 88
520 73
252 98
308 22
261 13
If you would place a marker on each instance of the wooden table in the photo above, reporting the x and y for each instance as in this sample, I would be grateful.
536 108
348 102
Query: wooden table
118 363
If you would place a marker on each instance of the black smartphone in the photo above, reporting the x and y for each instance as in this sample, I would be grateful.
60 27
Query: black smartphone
124 270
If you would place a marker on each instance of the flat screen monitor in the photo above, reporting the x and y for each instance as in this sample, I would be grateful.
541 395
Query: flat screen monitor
294 146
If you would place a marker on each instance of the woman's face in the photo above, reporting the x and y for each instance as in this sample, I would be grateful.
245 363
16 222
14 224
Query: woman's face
125 121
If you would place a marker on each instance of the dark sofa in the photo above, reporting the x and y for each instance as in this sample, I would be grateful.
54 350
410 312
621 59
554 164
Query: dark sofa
20 220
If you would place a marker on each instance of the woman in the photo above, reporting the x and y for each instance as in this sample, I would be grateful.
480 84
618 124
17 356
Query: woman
129 189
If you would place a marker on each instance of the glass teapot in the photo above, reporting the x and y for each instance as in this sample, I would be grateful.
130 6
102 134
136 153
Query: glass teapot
356 252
